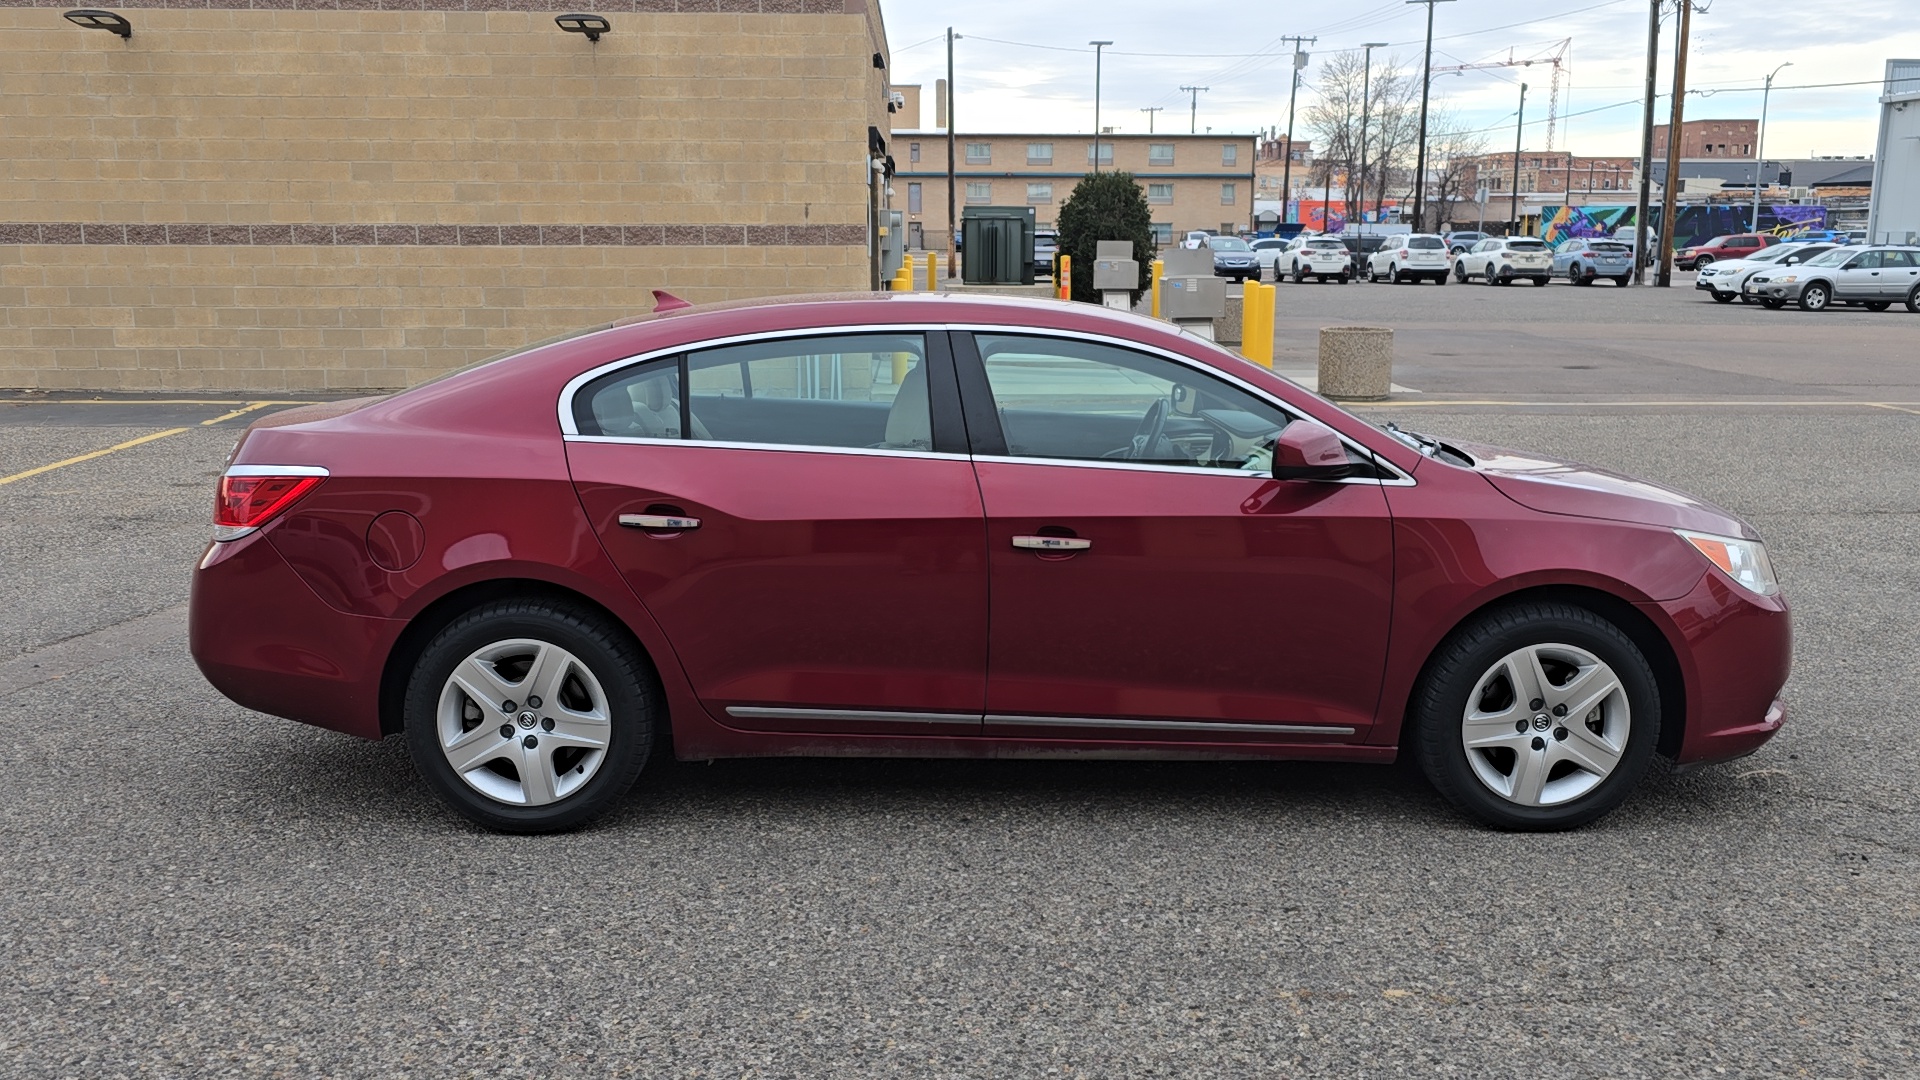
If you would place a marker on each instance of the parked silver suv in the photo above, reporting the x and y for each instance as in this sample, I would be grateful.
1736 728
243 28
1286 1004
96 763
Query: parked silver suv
1874 277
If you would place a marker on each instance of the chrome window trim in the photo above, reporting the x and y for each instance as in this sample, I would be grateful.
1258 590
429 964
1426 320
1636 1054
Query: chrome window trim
571 431
1169 725
723 444
873 716
276 470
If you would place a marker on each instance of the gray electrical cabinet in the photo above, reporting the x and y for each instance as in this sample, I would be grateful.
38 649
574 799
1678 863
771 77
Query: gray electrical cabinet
997 245
893 246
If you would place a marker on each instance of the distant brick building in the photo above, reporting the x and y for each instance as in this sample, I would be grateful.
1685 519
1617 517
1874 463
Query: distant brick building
1710 139
326 194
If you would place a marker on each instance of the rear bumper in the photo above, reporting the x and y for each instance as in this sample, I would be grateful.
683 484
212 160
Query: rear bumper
1735 650
264 639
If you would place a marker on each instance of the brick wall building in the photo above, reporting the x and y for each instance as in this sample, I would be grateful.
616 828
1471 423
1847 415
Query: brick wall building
330 194
1552 171
1710 139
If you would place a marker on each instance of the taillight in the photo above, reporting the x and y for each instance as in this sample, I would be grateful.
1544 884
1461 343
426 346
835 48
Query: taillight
1404 254
252 495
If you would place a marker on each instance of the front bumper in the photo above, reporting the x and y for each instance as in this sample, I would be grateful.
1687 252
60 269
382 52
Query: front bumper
1735 651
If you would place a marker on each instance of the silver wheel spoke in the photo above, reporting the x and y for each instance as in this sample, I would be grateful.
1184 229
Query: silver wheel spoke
586 734
1484 731
484 685
1530 768
1588 689
1589 751
536 775
477 747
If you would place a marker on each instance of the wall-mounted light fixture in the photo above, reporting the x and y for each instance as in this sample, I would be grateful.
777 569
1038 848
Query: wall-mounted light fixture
577 23
879 61
101 20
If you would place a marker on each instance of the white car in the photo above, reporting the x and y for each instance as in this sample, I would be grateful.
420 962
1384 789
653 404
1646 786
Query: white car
1196 239
1498 260
1725 278
1410 257
1267 250
1319 257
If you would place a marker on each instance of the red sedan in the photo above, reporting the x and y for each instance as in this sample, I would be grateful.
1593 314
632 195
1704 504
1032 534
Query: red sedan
924 525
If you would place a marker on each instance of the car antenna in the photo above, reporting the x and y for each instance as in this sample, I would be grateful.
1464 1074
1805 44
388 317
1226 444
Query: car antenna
666 301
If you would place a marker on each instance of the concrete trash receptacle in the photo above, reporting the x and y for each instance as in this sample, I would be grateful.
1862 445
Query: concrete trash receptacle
1226 328
1356 362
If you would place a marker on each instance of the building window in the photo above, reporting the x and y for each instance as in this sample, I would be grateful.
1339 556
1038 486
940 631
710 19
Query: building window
1159 193
913 198
1226 228
979 153
1040 193
1226 194
1039 153
913 151
1163 233
1160 153
1106 153
1229 154
979 192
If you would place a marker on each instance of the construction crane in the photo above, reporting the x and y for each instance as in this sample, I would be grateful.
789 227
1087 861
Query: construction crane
1558 55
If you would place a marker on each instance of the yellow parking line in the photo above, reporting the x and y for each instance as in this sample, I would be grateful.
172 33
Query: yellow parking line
4 480
145 401
1895 408
237 412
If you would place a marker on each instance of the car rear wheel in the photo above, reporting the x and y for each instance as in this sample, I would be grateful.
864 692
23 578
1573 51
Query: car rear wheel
1622 280
1877 305
1537 717
1393 273
1815 297
1913 300
1490 277
1574 276
529 716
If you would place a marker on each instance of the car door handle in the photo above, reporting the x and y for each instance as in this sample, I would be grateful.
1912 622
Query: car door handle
659 521
1051 543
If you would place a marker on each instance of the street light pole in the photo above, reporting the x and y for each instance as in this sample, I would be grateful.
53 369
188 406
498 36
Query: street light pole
953 216
1676 130
1426 87
1366 100
1760 148
1097 46
1643 234
1519 126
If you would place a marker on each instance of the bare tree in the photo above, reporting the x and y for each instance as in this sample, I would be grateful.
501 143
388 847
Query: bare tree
1453 160
1392 115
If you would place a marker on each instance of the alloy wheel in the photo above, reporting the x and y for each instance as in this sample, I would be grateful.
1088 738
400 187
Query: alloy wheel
1545 725
523 722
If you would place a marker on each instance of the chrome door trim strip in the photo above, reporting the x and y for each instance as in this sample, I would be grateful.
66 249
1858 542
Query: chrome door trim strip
1169 725
858 451
754 713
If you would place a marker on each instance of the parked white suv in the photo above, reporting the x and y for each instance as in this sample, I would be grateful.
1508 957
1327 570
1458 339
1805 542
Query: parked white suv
1317 257
1410 257
1498 260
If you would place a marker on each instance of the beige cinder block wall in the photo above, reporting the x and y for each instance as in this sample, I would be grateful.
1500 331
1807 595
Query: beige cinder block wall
292 199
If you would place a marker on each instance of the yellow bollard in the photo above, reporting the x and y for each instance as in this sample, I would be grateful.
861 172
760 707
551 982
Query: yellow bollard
907 268
1154 270
933 262
1063 277
900 282
1256 323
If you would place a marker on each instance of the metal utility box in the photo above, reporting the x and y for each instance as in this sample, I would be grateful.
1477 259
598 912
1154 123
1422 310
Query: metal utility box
893 243
1186 262
998 242
1114 268
1193 297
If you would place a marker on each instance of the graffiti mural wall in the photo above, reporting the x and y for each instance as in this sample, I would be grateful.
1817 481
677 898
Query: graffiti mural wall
1697 224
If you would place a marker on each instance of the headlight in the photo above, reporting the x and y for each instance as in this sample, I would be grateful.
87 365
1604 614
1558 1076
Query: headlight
1745 561
1788 280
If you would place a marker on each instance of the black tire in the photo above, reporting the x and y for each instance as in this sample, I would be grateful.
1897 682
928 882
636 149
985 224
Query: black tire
1460 272
1772 304
1622 280
1815 297
1393 274
1299 277
1573 274
1539 281
1702 261
1721 298
613 660
1877 305
1437 712
1913 300
1440 278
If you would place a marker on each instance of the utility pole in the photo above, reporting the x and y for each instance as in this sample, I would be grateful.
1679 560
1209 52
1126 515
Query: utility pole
953 216
1668 195
1097 46
1293 90
1426 88
1760 148
1641 227
1150 111
1366 99
1193 115
1519 130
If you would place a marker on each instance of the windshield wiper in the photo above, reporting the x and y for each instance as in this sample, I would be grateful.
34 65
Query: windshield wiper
1425 444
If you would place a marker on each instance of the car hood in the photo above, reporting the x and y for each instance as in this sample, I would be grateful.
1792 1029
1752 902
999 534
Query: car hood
1553 486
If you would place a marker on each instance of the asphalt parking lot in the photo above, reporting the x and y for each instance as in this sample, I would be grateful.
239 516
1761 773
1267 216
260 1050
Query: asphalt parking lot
196 890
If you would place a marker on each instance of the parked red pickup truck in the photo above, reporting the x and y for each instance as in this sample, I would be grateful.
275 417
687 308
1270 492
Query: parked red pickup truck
1724 247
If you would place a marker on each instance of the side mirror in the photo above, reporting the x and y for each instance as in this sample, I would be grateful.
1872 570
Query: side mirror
1793 260
1307 451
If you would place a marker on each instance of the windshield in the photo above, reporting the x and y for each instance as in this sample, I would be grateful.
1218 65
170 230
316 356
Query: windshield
1716 241
1229 243
1831 258
1423 243
1774 254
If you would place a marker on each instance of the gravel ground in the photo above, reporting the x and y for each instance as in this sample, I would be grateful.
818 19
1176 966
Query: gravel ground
196 890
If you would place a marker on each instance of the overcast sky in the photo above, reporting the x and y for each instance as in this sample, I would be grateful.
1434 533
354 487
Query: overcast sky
1024 65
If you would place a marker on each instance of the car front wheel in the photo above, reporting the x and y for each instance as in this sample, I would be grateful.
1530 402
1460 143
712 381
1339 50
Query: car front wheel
530 716
1538 717
1815 297
1721 298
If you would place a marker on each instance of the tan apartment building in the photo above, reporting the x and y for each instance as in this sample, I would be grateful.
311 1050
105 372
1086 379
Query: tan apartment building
1191 181
332 194
1281 161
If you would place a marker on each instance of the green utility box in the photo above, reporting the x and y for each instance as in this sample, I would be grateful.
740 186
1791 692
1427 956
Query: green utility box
996 245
